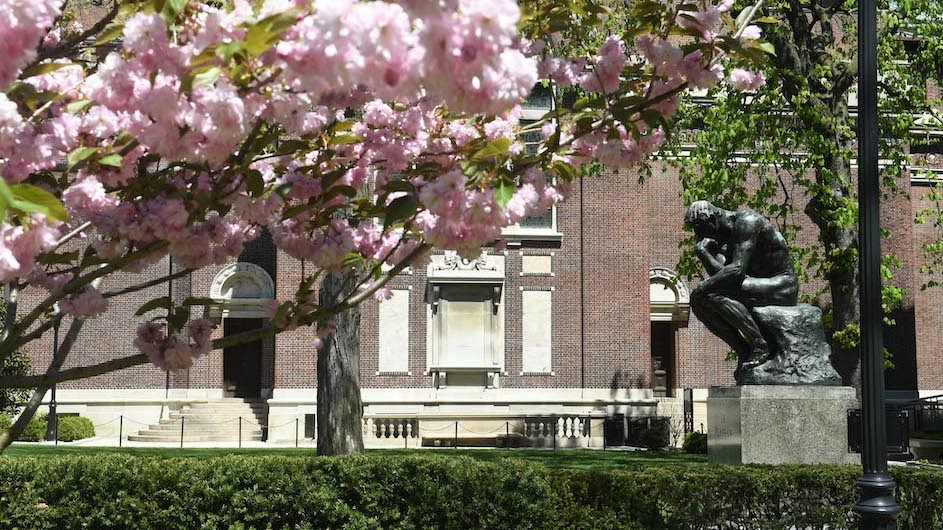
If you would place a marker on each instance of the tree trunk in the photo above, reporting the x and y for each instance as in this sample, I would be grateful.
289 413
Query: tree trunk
841 248
340 409
10 435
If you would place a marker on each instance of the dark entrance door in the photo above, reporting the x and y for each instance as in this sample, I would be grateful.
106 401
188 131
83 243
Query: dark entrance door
242 364
662 357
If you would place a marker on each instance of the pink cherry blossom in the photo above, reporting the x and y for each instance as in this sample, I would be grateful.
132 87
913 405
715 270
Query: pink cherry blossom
22 26
745 80
87 303
607 68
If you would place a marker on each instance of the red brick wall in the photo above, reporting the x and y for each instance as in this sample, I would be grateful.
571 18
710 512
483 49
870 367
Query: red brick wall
628 228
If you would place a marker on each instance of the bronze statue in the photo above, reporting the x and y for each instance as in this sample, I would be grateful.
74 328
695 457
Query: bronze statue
750 299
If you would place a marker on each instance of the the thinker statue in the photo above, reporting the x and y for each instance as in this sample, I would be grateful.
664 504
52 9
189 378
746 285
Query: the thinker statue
750 299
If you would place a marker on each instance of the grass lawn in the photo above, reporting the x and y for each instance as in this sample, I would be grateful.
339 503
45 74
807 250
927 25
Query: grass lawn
571 458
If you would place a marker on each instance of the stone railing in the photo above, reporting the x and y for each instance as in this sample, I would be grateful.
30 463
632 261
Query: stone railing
561 431
390 432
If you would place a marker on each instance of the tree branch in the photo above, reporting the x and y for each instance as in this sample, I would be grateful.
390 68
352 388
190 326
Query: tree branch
84 372
11 294
150 283
7 437
65 48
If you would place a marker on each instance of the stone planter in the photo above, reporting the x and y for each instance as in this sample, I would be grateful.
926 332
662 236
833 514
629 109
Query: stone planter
925 449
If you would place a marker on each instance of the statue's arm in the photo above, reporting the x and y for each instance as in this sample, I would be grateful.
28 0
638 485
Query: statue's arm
709 252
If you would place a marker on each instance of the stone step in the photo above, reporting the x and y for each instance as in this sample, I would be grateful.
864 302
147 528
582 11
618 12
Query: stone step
233 428
207 417
229 411
212 420
146 436
224 404
216 421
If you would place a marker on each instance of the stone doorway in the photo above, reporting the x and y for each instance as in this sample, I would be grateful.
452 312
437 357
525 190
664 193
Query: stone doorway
242 364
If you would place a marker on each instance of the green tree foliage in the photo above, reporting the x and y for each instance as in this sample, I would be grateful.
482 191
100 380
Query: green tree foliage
786 150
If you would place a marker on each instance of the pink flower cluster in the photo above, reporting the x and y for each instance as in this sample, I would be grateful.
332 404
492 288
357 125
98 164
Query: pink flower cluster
23 25
606 74
746 80
87 303
20 245
175 353
161 137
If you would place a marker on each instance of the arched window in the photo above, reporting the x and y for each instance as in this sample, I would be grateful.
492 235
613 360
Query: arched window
669 306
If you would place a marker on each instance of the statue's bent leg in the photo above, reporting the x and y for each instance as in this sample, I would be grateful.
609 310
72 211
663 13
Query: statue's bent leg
704 306
782 289
725 317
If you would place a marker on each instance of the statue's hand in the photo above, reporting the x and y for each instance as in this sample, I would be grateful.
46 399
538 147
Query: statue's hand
707 247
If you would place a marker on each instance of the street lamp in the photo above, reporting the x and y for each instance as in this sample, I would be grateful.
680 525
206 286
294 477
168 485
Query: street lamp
877 507
52 420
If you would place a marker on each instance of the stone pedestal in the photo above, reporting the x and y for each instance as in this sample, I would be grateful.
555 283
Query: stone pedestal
778 424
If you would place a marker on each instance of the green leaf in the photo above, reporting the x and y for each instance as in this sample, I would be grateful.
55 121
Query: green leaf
767 20
43 68
265 33
503 193
287 147
401 208
78 105
172 8
114 160
344 139
768 47
742 17
31 198
110 33
157 303
255 183
207 77
58 258
495 147
81 154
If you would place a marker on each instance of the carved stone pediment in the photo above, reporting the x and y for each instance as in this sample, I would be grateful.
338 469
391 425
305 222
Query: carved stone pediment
449 267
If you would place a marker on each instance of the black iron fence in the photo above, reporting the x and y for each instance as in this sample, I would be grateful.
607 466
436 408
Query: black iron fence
898 431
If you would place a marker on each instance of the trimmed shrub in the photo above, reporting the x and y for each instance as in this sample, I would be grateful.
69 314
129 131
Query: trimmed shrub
72 428
431 491
695 443
35 430
5 421
653 438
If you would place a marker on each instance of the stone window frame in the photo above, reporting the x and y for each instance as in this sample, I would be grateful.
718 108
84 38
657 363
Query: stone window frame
541 252
409 303
547 288
516 233
488 272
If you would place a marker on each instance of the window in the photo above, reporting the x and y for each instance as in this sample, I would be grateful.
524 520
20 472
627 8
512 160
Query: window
467 326
466 320
537 325
393 333
534 107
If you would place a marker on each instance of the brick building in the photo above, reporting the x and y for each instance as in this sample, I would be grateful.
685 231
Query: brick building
581 314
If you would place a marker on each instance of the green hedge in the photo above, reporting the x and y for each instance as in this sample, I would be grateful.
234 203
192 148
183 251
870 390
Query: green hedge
429 492
71 428
695 443
35 430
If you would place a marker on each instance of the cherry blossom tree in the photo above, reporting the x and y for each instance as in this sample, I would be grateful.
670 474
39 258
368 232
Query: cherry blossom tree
359 134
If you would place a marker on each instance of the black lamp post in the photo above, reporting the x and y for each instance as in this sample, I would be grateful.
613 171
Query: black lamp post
52 425
877 507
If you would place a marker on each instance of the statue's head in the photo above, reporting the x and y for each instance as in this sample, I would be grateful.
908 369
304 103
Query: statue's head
705 219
